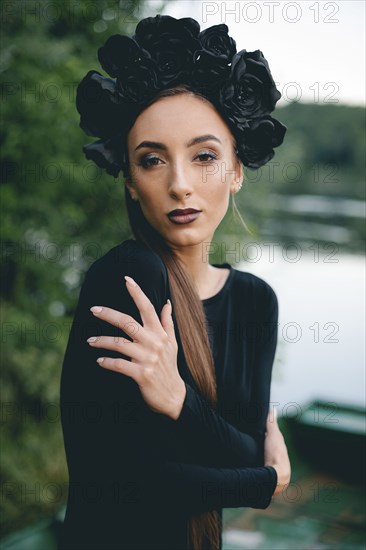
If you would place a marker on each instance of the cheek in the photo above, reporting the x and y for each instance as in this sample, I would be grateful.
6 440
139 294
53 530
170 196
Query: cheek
218 185
218 193
146 197
220 173
149 200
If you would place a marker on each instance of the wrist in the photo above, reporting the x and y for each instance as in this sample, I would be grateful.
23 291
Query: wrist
283 476
179 401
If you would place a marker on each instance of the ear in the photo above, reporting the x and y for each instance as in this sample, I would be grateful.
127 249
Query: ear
238 176
239 169
129 185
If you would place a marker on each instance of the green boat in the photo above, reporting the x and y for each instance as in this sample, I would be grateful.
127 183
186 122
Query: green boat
331 437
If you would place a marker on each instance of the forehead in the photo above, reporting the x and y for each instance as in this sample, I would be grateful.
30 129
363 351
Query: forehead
176 119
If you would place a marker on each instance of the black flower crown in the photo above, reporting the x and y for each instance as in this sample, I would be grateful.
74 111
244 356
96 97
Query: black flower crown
165 52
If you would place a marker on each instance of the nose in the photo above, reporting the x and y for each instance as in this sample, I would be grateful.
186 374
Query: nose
179 185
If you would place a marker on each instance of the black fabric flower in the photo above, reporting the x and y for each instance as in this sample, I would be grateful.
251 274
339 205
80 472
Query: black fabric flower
216 40
209 72
139 84
121 53
171 43
250 91
106 154
133 67
256 143
211 64
98 103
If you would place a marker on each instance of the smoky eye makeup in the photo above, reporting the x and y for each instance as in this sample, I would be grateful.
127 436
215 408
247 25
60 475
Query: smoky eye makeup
207 155
203 156
148 160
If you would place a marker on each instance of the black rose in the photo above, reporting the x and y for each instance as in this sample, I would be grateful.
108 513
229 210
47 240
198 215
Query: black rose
255 144
216 40
98 103
250 91
139 83
171 43
211 64
121 53
106 154
133 67
209 72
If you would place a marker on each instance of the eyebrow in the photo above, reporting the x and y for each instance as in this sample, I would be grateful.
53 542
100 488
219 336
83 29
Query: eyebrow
198 139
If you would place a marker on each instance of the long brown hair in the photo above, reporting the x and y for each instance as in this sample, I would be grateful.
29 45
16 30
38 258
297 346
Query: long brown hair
204 528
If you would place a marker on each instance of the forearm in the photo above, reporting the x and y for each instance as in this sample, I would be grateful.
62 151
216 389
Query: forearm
197 433
120 449
198 489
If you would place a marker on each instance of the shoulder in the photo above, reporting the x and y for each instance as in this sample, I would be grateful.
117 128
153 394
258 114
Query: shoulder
131 257
255 291
104 280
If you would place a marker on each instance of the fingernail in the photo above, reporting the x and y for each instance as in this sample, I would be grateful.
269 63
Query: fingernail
170 304
92 339
100 359
130 280
96 309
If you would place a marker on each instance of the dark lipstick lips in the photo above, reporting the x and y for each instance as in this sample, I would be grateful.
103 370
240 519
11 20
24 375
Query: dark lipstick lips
184 212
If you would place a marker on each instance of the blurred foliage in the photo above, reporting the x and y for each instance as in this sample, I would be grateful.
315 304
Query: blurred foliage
60 213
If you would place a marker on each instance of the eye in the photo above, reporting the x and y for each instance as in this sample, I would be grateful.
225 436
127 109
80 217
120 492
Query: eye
147 162
206 156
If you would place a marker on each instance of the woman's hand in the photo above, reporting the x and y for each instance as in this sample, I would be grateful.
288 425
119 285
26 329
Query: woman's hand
275 452
153 352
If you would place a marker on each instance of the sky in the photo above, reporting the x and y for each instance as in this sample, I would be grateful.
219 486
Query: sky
315 49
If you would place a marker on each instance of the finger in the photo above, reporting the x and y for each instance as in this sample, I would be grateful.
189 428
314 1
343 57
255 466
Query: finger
120 365
167 320
145 307
116 343
120 320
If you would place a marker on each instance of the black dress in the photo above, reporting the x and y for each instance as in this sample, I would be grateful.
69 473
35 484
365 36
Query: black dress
136 476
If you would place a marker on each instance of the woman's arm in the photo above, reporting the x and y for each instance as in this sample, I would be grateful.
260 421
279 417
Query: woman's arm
235 447
197 489
252 487
219 443
112 450
275 453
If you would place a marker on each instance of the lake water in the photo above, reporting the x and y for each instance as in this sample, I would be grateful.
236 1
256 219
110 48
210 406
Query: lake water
321 332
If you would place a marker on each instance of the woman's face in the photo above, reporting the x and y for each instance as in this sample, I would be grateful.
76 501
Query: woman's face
173 171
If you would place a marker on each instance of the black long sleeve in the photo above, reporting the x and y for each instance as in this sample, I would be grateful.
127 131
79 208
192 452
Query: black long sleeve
217 442
235 448
113 448
201 488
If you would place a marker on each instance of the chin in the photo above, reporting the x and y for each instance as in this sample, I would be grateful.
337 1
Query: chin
188 238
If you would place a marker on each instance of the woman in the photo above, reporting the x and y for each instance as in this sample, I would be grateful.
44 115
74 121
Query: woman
172 424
